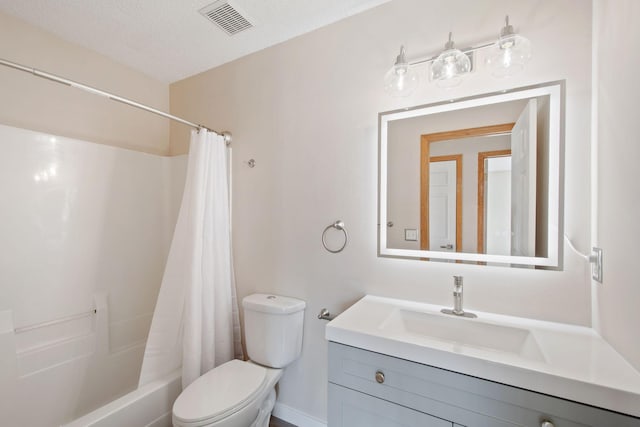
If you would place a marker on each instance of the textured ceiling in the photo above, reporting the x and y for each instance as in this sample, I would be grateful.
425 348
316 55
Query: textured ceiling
168 39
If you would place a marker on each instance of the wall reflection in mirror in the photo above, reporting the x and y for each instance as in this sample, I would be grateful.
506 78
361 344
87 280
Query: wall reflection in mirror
474 180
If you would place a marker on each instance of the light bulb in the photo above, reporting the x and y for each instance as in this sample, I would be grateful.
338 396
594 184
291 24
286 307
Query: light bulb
509 54
401 79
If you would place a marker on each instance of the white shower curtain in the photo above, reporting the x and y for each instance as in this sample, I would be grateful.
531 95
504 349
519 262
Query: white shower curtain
195 323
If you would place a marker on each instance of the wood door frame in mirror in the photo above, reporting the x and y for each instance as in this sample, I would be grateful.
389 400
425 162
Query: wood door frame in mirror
482 156
425 141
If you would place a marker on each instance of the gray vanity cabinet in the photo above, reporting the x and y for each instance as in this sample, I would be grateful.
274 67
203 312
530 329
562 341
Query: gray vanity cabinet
355 409
368 389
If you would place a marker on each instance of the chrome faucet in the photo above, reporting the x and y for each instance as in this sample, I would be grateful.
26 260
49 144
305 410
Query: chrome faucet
457 300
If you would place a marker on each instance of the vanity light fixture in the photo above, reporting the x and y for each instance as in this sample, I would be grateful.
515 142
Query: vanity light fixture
505 57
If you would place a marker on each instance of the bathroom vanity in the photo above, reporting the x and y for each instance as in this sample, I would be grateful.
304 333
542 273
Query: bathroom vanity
400 363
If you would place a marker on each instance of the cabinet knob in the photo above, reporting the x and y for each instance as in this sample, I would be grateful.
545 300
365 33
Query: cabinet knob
380 380
546 423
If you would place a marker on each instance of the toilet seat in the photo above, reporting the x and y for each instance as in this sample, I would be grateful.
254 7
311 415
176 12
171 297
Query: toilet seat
219 393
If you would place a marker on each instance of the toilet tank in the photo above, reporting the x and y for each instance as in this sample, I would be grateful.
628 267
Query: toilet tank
273 329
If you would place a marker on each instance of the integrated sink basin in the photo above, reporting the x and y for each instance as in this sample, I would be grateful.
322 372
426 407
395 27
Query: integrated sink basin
463 332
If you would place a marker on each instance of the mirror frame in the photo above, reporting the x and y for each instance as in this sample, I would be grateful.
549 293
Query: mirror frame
556 92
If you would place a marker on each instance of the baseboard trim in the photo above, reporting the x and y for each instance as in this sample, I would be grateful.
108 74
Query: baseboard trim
298 418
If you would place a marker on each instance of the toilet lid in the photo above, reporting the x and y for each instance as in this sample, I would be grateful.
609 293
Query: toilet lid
219 392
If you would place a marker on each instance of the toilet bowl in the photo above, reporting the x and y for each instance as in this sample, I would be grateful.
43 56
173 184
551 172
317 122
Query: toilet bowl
230 395
242 393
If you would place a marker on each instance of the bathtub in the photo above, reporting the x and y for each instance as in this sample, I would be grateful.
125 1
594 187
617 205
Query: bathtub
147 406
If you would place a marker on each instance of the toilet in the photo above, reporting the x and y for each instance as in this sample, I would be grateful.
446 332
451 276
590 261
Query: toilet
239 393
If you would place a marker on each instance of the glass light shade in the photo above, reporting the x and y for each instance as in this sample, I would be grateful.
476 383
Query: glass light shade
449 66
509 55
401 79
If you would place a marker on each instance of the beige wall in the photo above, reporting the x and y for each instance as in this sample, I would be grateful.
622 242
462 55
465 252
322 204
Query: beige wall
306 110
616 309
37 104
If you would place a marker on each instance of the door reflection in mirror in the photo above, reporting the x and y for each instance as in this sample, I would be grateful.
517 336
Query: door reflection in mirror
494 202
442 227
465 144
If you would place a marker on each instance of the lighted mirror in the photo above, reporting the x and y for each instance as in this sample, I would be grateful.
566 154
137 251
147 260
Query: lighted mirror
474 180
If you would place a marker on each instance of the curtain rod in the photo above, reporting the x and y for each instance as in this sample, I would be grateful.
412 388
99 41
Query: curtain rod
113 97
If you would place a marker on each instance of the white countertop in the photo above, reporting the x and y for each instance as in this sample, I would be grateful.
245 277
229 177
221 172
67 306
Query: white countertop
575 362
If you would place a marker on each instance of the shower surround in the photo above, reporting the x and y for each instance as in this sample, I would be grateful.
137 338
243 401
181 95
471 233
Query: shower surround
85 230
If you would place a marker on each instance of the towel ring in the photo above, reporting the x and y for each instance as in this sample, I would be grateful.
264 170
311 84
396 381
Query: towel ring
338 225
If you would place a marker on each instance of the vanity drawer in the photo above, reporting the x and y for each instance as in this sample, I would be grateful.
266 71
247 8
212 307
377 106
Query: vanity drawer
348 408
464 400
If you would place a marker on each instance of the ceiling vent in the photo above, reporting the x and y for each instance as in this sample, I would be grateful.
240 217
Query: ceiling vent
226 17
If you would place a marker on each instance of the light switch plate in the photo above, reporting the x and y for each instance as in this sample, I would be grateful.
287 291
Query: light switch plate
410 234
596 264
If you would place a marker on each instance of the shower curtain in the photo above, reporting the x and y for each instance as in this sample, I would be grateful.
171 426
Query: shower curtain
195 323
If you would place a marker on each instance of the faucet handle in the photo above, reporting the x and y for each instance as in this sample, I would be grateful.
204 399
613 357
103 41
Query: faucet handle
457 281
